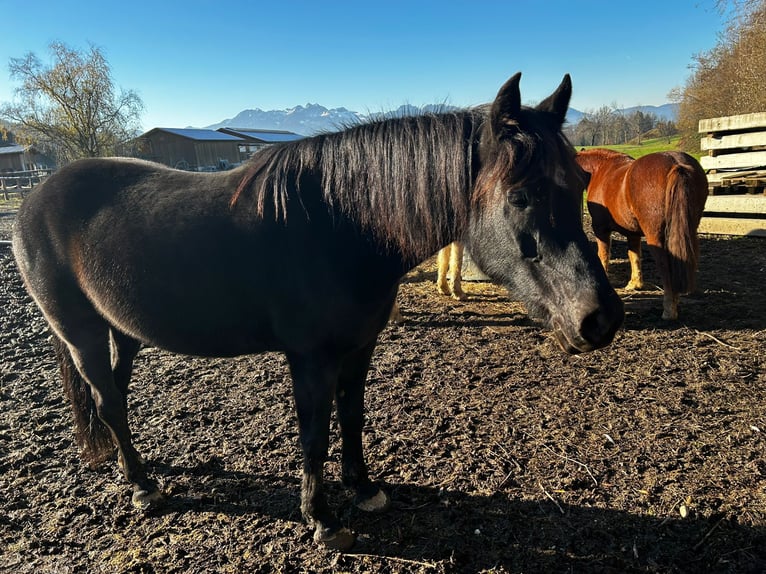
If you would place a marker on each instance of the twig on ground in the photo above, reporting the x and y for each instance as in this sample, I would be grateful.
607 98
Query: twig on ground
430 565
546 493
577 462
717 340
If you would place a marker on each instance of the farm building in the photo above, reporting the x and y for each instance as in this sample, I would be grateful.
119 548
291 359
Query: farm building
189 148
256 139
203 149
14 158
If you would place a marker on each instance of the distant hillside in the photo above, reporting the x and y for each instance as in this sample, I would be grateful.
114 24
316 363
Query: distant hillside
314 118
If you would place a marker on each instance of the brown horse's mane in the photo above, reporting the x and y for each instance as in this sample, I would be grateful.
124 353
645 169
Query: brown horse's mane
604 154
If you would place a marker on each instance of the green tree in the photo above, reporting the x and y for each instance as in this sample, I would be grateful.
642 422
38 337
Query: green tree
72 106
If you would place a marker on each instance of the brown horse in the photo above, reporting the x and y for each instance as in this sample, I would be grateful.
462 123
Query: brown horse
660 196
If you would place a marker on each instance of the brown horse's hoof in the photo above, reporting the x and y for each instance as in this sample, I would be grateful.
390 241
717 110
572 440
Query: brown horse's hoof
146 500
342 539
378 503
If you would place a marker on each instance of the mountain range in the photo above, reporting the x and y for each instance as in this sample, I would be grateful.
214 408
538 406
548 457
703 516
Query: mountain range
314 118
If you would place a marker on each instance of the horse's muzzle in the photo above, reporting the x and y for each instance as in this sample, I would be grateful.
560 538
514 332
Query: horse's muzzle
595 330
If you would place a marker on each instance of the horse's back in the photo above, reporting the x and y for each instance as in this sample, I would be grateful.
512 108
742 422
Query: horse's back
607 194
164 257
654 175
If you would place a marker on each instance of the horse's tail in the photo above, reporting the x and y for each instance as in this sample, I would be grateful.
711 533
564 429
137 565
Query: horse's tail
681 220
91 434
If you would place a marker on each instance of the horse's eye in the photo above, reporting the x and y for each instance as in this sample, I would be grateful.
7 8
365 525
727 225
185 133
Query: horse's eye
518 198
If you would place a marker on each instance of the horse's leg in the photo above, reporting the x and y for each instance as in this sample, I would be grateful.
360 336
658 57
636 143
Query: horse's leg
670 305
90 349
604 245
124 350
350 400
456 268
634 256
395 316
670 297
314 384
442 265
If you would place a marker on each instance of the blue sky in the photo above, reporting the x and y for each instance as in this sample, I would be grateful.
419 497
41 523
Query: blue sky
195 63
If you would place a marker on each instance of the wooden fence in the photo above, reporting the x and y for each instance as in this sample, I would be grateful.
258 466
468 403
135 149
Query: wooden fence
736 153
736 171
21 182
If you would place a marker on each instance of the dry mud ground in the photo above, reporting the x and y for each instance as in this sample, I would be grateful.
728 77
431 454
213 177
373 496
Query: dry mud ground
501 454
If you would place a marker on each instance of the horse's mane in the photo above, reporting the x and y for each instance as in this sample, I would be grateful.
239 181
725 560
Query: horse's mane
406 179
606 153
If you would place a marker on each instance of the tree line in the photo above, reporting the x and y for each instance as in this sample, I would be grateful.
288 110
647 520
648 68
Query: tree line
611 126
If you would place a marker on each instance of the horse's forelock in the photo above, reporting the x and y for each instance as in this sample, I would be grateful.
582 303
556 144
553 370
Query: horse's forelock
521 156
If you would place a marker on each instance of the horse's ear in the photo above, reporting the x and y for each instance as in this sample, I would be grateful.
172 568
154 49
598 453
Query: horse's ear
507 104
558 102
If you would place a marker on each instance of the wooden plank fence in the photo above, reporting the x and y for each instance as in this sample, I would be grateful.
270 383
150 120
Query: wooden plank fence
736 171
21 182
736 153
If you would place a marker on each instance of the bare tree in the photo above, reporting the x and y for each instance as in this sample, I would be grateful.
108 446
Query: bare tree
72 105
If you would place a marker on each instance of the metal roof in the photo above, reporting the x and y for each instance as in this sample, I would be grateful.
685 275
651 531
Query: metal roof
9 149
198 134
266 136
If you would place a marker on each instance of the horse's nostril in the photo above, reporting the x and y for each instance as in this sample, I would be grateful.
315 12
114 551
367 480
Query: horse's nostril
600 326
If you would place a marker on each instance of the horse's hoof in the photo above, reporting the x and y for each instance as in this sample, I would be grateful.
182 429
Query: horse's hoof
145 500
377 503
342 539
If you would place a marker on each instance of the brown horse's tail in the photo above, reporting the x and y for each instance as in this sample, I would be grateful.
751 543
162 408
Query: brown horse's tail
682 217
91 435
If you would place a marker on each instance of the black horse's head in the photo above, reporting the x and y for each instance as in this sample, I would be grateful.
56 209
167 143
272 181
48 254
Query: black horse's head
526 228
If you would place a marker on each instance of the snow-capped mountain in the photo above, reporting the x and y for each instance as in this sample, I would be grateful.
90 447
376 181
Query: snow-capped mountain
305 120
314 118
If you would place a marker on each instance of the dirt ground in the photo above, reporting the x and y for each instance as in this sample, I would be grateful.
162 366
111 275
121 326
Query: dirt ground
501 454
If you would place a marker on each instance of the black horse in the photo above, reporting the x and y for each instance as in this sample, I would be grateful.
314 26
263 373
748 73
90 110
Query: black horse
301 251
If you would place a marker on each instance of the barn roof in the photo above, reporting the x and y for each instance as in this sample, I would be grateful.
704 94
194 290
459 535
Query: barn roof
11 149
263 136
197 134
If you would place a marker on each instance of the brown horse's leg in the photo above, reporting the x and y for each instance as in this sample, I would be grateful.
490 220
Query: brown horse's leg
442 266
314 383
456 269
604 245
670 305
670 297
350 400
90 348
634 256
